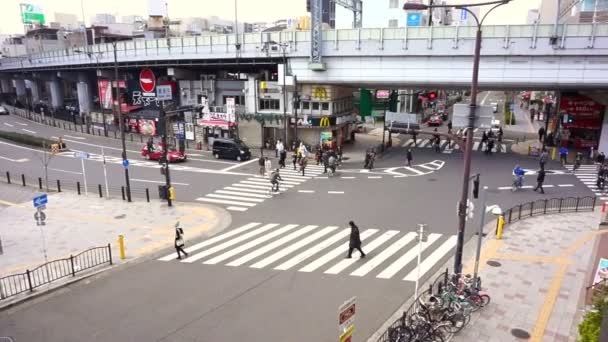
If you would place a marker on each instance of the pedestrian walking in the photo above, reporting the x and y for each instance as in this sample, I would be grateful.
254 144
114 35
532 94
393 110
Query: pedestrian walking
484 139
490 146
437 145
414 135
541 134
355 240
601 177
540 179
295 159
318 155
563 155
449 125
408 155
303 163
262 165
325 160
601 158
268 166
276 148
500 134
282 157
542 159
179 241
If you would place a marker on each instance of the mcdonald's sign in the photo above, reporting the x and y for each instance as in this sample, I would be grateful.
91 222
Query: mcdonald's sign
324 122
319 93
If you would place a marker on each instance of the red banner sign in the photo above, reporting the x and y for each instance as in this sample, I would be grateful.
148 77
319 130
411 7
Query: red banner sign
586 113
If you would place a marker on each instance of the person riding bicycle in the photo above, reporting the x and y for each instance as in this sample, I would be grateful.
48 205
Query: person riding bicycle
518 173
275 177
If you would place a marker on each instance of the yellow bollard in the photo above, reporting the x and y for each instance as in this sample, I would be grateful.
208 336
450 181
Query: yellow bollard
121 246
554 153
529 149
171 193
500 223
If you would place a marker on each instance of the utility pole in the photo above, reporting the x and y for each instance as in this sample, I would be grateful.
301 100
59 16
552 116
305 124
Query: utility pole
283 47
296 105
164 118
121 123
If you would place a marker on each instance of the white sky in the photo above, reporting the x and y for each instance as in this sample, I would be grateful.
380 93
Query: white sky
248 10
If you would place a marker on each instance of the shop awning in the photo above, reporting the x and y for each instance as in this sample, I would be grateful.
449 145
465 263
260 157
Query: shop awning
215 123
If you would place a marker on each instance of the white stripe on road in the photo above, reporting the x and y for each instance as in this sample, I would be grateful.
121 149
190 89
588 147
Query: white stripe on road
504 187
252 186
264 183
236 208
313 250
22 160
280 254
282 182
374 177
334 253
565 185
66 171
424 142
213 240
247 190
236 198
306 191
249 245
476 145
21 123
271 246
211 200
548 186
73 137
239 193
432 259
229 243
157 182
27 130
426 167
349 177
239 165
335 192
408 143
413 170
406 258
7 124
380 258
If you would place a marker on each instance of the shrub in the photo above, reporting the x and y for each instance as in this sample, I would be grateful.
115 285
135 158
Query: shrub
26 139
508 116
589 329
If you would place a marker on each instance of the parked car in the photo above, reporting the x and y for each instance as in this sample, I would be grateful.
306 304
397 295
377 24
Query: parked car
230 149
494 107
434 120
3 111
157 153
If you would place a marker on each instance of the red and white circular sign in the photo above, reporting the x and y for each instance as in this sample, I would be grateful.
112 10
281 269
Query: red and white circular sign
147 80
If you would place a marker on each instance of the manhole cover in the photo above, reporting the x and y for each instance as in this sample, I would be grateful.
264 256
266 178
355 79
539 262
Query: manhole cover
432 179
120 216
493 263
520 333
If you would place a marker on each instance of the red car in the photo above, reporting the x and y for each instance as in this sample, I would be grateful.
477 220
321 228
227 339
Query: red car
157 153
434 120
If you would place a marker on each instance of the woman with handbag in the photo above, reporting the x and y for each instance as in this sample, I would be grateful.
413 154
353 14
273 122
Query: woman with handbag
179 241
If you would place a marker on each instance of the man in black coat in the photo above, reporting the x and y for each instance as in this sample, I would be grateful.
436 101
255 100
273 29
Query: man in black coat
540 179
409 157
355 240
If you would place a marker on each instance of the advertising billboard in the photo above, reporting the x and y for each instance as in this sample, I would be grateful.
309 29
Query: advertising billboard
32 14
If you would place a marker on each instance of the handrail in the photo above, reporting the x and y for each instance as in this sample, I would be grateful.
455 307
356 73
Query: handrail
549 206
53 270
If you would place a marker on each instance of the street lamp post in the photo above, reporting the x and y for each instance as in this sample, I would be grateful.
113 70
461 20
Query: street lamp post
121 124
462 205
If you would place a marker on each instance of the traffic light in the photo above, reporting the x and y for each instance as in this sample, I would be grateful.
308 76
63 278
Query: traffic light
432 95
570 119
476 187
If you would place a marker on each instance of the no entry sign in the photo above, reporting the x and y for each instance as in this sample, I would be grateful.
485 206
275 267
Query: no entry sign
147 80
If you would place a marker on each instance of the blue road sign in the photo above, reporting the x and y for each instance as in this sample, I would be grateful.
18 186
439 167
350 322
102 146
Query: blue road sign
40 200
414 19
463 15
125 163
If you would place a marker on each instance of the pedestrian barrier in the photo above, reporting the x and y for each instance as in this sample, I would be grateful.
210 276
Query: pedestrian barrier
549 206
54 270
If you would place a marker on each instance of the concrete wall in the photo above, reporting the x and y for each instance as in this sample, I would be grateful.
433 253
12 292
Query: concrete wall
250 133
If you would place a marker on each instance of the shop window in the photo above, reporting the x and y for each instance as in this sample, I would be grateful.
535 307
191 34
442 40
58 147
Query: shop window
305 105
393 23
238 100
269 104
324 105
315 106
393 4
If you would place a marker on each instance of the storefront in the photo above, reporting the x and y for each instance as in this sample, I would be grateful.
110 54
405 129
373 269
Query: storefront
581 121
331 131
216 125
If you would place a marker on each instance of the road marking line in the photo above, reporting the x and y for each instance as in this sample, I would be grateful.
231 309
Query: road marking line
282 182
66 171
432 259
237 208
22 160
307 253
476 145
247 190
73 137
565 185
7 124
239 165
475 130
157 182
414 170
207 160
380 258
406 258
407 143
342 265
374 177
211 200
335 252
335 192
252 186
426 167
237 198
306 191
264 183
27 130
271 246
229 243
21 123
349 177
548 186
285 251
364 171
424 142
249 245
240 193
214 240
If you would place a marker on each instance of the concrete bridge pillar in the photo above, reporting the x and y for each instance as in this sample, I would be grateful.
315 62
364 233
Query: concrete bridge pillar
6 86
35 88
56 93
84 87
20 87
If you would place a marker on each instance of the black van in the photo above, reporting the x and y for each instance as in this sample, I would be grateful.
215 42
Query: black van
230 149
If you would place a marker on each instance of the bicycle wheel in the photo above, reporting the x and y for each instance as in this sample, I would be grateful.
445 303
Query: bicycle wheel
485 299
476 302
457 322
444 330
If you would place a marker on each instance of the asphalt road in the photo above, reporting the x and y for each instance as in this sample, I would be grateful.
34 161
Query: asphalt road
207 300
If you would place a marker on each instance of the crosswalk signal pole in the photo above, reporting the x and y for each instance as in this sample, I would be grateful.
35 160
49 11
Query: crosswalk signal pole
163 117
421 238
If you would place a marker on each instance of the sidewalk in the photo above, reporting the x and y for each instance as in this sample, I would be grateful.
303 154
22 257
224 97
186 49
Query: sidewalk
76 223
537 276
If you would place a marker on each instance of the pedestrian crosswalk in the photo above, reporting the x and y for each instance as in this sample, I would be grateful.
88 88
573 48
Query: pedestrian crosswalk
252 191
587 174
448 147
391 254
